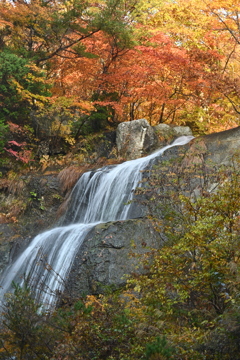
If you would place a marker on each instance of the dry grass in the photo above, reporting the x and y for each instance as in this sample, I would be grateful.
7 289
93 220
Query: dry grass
12 186
69 176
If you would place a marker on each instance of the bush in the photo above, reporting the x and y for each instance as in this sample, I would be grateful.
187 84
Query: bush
159 350
25 333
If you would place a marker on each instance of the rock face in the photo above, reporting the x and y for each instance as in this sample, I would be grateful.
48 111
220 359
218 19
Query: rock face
111 251
222 146
5 246
105 256
135 138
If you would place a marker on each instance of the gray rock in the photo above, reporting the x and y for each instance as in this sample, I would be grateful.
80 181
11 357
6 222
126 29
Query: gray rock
167 133
222 147
163 128
135 138
182 130
104 259
109 253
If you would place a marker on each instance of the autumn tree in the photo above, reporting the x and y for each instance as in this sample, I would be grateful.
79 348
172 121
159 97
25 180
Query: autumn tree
204 26
91 328
116 60
160 78
42 30
37 34
162 81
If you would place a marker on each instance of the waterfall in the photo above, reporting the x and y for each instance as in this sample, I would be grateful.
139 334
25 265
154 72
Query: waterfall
99 196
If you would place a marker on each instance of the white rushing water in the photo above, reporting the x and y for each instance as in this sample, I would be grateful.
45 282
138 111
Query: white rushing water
99 196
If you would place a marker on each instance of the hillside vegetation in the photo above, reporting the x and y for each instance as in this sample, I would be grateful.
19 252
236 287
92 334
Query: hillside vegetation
71 71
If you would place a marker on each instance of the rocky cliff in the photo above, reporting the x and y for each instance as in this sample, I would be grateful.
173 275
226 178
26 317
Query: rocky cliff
111 250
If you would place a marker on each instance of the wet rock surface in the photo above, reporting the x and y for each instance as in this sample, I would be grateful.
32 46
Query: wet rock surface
109 253
112 250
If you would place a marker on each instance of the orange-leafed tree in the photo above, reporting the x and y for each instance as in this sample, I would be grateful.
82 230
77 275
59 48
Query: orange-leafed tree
205 25
159 78
45 35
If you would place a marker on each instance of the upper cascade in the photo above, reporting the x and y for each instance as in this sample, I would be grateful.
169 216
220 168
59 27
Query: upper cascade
99 196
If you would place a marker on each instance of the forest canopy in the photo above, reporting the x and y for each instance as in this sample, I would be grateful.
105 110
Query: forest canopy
91 65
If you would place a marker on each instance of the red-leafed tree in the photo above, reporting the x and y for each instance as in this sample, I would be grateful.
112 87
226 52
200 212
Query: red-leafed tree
159 79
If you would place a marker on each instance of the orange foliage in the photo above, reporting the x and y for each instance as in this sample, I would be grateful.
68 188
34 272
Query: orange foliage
159 79
182 69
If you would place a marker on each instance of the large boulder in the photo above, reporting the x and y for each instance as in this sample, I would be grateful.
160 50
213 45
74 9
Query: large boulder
166 133
135 138
109 253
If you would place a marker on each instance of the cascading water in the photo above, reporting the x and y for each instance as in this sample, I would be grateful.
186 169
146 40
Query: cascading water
99 196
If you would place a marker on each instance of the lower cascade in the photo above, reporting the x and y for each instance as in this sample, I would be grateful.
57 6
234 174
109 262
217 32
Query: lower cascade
99 196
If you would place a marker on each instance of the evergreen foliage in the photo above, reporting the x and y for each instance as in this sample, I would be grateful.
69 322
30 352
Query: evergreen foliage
22 87
159 350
